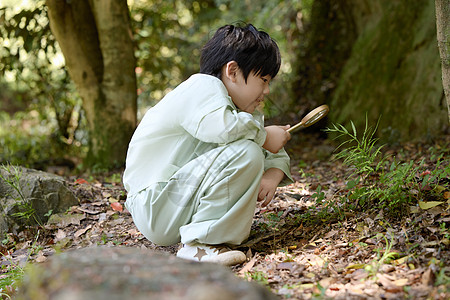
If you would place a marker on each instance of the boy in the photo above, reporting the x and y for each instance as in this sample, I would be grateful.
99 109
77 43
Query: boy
201 158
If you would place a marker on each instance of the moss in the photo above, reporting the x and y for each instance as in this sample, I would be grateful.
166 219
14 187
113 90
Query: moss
394 71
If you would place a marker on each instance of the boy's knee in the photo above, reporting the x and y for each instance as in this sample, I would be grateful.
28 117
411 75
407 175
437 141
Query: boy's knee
250 153
161 238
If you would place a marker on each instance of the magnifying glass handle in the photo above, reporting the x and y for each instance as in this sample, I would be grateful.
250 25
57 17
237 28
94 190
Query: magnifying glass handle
296 127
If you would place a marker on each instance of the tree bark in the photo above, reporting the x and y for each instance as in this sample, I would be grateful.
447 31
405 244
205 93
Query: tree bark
95 38
327 40
393 71
443 39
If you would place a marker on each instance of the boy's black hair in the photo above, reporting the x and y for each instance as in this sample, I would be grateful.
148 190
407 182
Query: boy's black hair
253 50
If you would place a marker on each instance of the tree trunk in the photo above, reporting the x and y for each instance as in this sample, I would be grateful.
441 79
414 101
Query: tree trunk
393 72
95 38
443 38
327 40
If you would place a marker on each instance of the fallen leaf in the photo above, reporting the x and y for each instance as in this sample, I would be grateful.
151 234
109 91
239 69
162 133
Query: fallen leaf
286 266
133 232
88 211
430 244
81 181
388 284
400 282
414 209
306 286
248 266
326 282
429 204
433 229
82 231
356 266
60 234
359 274
401 260
385 268
427 277
330 234
116 222
117 206
112 200
40 257
64 219
102 217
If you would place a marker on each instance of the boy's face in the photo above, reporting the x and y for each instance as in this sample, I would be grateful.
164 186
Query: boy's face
247 96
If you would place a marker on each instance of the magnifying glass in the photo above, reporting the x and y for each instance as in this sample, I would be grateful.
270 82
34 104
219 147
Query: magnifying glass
311 118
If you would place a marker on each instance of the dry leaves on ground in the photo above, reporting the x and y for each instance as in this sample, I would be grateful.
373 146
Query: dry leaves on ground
296 248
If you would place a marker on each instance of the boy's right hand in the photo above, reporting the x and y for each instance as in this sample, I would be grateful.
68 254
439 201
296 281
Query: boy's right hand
277 137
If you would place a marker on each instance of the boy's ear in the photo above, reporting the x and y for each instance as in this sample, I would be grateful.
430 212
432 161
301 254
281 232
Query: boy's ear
231 70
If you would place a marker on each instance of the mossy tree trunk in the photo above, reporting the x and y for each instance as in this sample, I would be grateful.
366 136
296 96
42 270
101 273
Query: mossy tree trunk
377 59
325 47
443 38
95 38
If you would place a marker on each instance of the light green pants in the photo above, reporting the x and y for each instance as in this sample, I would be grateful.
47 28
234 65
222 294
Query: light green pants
210 200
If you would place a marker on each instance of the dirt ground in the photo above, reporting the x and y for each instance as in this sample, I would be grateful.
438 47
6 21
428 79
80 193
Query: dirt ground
298 247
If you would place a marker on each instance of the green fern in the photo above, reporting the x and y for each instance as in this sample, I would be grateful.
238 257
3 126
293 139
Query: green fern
361 153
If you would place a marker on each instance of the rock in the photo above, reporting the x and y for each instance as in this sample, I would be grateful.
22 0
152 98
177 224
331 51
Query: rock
28 197
104 273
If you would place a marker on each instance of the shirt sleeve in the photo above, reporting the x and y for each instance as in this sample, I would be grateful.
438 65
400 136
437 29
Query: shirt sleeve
280 161
226 125
211 117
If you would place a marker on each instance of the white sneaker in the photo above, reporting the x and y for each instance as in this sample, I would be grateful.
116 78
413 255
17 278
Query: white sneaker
211 253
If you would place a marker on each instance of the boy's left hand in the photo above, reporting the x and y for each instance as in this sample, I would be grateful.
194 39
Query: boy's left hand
269 182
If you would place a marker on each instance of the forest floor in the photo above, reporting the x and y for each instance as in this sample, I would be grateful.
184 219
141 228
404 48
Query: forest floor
304 245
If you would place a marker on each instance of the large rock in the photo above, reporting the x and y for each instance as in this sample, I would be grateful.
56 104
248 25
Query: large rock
129 273
28 197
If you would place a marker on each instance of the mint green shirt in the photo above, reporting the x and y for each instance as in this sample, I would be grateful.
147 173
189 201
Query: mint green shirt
194 118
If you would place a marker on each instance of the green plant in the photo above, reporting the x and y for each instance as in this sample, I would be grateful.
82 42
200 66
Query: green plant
318 195
442 278
321 292
362 152
25 210
12 276
114 178
329 207
383 256
395 184
391 190
14 272
377 184
14 179
273 224
257 276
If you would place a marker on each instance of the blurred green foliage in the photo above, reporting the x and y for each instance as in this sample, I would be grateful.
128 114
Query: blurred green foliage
41 117
170 34
39 106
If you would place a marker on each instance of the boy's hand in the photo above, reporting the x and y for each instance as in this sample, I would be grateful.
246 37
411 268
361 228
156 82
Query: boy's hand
269 182
276 138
